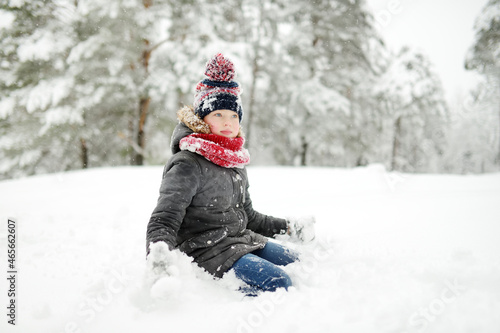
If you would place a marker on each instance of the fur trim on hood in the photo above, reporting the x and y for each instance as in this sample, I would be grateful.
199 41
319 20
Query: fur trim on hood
187 116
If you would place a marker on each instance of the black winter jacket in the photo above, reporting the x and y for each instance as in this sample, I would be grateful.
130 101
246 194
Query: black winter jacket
205 210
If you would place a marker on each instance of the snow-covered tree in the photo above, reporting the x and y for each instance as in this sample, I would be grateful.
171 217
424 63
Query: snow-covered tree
127 52
327 45
93 83
472 138
484 57
260 21
82 78
36 125
414 97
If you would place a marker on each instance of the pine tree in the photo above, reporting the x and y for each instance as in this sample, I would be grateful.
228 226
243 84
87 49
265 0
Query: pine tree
35 126
93 83
471 136
484 57
111 65
328 46
414 97
82 78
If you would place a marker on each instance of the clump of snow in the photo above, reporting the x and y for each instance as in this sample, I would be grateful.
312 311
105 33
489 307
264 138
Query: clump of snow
6 107
42 45
6 19
392 253
47 94
489 14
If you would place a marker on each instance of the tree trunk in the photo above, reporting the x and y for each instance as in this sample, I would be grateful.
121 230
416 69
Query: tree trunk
396 144
84 153
138 157
140 144
255 70
303 155
141 136
498 155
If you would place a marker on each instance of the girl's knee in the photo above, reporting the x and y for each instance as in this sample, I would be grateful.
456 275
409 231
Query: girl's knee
282 281
286 282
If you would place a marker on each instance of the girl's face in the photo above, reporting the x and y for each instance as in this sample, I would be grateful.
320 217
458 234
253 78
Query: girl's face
223 122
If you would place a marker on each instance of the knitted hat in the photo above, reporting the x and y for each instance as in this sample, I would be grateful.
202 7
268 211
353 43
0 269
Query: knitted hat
218 91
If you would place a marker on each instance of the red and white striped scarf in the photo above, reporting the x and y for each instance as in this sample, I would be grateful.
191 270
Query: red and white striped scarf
223 151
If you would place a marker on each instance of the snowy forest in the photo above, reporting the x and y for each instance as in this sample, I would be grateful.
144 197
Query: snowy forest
91 83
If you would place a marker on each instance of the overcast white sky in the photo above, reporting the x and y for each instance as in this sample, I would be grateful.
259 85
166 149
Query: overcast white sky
443 29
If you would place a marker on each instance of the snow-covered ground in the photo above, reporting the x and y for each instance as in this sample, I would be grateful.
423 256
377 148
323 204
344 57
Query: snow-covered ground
394 253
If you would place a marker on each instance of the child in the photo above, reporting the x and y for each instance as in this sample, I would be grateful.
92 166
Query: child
204 208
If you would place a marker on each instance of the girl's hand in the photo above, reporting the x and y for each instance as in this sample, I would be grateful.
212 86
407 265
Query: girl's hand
301 229
163 261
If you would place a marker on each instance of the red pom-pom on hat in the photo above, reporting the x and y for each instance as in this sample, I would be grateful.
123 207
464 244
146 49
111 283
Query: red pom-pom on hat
220 69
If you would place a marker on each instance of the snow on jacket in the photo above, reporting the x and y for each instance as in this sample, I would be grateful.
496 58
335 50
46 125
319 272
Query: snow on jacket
204 209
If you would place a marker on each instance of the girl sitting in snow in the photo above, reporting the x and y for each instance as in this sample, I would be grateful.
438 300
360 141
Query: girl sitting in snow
204 208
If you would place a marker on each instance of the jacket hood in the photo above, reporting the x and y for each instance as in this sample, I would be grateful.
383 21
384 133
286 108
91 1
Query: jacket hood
189 123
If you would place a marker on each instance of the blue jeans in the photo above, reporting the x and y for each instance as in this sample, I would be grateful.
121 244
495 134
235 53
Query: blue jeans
260 271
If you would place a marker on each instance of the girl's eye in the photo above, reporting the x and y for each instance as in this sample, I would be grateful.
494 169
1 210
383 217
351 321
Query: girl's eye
218 115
